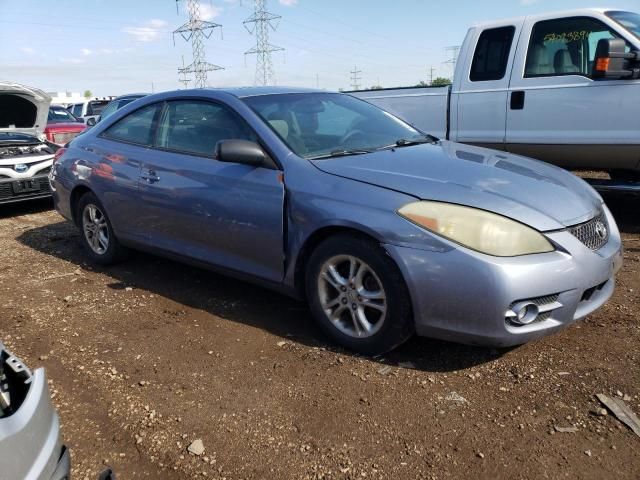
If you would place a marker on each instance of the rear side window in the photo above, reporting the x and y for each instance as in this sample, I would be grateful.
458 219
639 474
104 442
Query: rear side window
492 54
195 126
566 46
76 110
137 127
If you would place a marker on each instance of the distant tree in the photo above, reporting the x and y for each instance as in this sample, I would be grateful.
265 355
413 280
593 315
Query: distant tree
88 94
422 84
440 82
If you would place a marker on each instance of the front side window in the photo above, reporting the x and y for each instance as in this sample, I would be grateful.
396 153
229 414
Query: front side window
77 110
630 21
109 109
314 125
138 127
565 46
492 54
194 126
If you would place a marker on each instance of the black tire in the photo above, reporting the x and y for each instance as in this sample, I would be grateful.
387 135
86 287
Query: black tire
114 251
398 322
625 175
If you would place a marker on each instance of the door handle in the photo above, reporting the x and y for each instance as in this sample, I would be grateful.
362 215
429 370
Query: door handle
150 177
517 100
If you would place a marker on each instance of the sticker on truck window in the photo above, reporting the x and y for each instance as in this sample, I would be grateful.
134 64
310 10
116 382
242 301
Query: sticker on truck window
567 37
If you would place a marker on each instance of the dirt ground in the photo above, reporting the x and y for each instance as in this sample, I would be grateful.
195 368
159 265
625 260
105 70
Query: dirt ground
146 357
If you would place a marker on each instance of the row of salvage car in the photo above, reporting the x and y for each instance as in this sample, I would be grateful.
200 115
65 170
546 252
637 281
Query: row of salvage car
31 132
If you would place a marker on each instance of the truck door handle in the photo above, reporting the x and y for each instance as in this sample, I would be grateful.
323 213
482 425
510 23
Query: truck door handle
517 100
150 176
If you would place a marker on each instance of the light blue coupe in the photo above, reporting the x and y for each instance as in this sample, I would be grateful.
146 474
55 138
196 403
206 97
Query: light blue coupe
385 230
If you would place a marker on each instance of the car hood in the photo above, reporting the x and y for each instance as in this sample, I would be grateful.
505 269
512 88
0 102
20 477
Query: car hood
529 191
23 109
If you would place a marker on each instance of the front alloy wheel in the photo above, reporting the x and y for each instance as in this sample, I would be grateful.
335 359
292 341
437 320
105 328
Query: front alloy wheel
352 296
358 295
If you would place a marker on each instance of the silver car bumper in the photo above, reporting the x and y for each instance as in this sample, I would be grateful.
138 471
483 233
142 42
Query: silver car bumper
30 444
465 296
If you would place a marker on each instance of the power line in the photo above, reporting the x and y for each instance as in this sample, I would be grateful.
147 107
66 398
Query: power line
259 25
196 30
355 78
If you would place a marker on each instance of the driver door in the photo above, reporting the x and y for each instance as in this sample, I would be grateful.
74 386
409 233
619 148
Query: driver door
224 214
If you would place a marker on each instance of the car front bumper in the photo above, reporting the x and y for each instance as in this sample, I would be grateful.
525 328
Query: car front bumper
18 190
464 296
30 443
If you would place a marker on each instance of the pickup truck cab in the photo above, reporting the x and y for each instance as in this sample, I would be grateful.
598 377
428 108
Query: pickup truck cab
537 86
89 111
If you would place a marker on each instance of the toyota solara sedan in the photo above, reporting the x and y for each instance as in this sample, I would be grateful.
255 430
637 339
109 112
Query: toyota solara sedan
385 230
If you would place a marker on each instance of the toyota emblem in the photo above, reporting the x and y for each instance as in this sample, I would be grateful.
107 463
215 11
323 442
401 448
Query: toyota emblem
601 230
21 168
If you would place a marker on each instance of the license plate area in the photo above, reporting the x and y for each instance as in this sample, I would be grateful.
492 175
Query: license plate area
25 186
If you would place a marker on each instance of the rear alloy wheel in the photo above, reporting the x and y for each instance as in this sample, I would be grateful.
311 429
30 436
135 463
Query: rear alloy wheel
95 229
358 295
97 234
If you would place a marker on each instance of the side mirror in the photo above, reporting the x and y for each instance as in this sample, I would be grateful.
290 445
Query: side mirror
91 122
241 151
612 62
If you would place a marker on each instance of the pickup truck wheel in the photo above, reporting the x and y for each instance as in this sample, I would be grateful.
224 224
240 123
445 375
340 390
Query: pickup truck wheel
358 295
96 232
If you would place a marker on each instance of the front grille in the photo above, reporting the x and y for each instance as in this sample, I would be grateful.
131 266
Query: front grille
64 137
594 233
41 186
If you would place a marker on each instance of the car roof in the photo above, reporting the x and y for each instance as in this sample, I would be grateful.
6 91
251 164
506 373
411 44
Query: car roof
577 12
130 95
243 92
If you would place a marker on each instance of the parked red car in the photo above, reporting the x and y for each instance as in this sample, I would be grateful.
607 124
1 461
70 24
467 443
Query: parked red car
62 126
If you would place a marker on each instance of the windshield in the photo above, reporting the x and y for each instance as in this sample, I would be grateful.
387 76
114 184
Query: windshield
630 21
60 115
317 125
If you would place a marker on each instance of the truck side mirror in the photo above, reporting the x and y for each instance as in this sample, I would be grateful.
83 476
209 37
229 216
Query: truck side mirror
612 62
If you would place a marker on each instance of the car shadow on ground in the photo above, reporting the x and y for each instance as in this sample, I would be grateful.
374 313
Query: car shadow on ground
18 209
241 302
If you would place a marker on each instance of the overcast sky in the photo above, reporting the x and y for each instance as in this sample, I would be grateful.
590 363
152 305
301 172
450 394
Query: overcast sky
113 47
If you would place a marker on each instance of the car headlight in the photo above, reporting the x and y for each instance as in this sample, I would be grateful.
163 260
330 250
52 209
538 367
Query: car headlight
477 229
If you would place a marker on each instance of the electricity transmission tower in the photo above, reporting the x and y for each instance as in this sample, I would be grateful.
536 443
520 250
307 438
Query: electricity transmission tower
452 55
259 25
197 30
183 79
355 78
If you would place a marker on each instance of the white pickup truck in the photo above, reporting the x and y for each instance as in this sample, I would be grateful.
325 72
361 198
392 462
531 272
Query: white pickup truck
561 87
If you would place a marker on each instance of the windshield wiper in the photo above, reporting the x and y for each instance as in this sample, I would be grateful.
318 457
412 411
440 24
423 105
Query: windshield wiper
341 153
403 142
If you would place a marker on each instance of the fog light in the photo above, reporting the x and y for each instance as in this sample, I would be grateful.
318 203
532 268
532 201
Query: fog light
523 313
